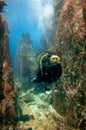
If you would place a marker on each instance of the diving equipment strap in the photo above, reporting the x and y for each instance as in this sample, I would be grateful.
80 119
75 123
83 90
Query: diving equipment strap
41 62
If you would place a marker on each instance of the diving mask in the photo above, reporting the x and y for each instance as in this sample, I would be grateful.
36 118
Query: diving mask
54 58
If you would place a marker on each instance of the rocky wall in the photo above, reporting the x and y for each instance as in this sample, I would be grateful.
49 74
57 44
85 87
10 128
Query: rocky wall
71 45
7 94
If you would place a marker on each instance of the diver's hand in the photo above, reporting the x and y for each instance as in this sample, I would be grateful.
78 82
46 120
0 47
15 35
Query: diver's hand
33 79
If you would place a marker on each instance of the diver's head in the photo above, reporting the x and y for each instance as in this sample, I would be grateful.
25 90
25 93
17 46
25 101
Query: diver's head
55 59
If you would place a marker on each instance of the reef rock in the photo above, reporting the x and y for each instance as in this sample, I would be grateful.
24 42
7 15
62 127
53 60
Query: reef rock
71 45
25 62
7 94
45 116
47 40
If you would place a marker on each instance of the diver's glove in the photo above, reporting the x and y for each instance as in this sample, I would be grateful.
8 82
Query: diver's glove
33 80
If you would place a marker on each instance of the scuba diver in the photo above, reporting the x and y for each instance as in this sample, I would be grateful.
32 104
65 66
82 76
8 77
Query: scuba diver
49 69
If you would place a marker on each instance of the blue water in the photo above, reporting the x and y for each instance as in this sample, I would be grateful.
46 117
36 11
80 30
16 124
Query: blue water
30 16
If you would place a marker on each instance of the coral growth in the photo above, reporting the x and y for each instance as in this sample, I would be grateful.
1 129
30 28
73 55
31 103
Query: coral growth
45 116
7 95
71 39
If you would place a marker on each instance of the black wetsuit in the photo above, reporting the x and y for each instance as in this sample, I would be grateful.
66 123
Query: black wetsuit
50 71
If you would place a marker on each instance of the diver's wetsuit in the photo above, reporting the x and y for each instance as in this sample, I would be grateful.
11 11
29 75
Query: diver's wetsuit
50 72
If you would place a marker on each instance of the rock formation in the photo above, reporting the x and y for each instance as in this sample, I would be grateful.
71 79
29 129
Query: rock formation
25 62
47 40
7 94
71 45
